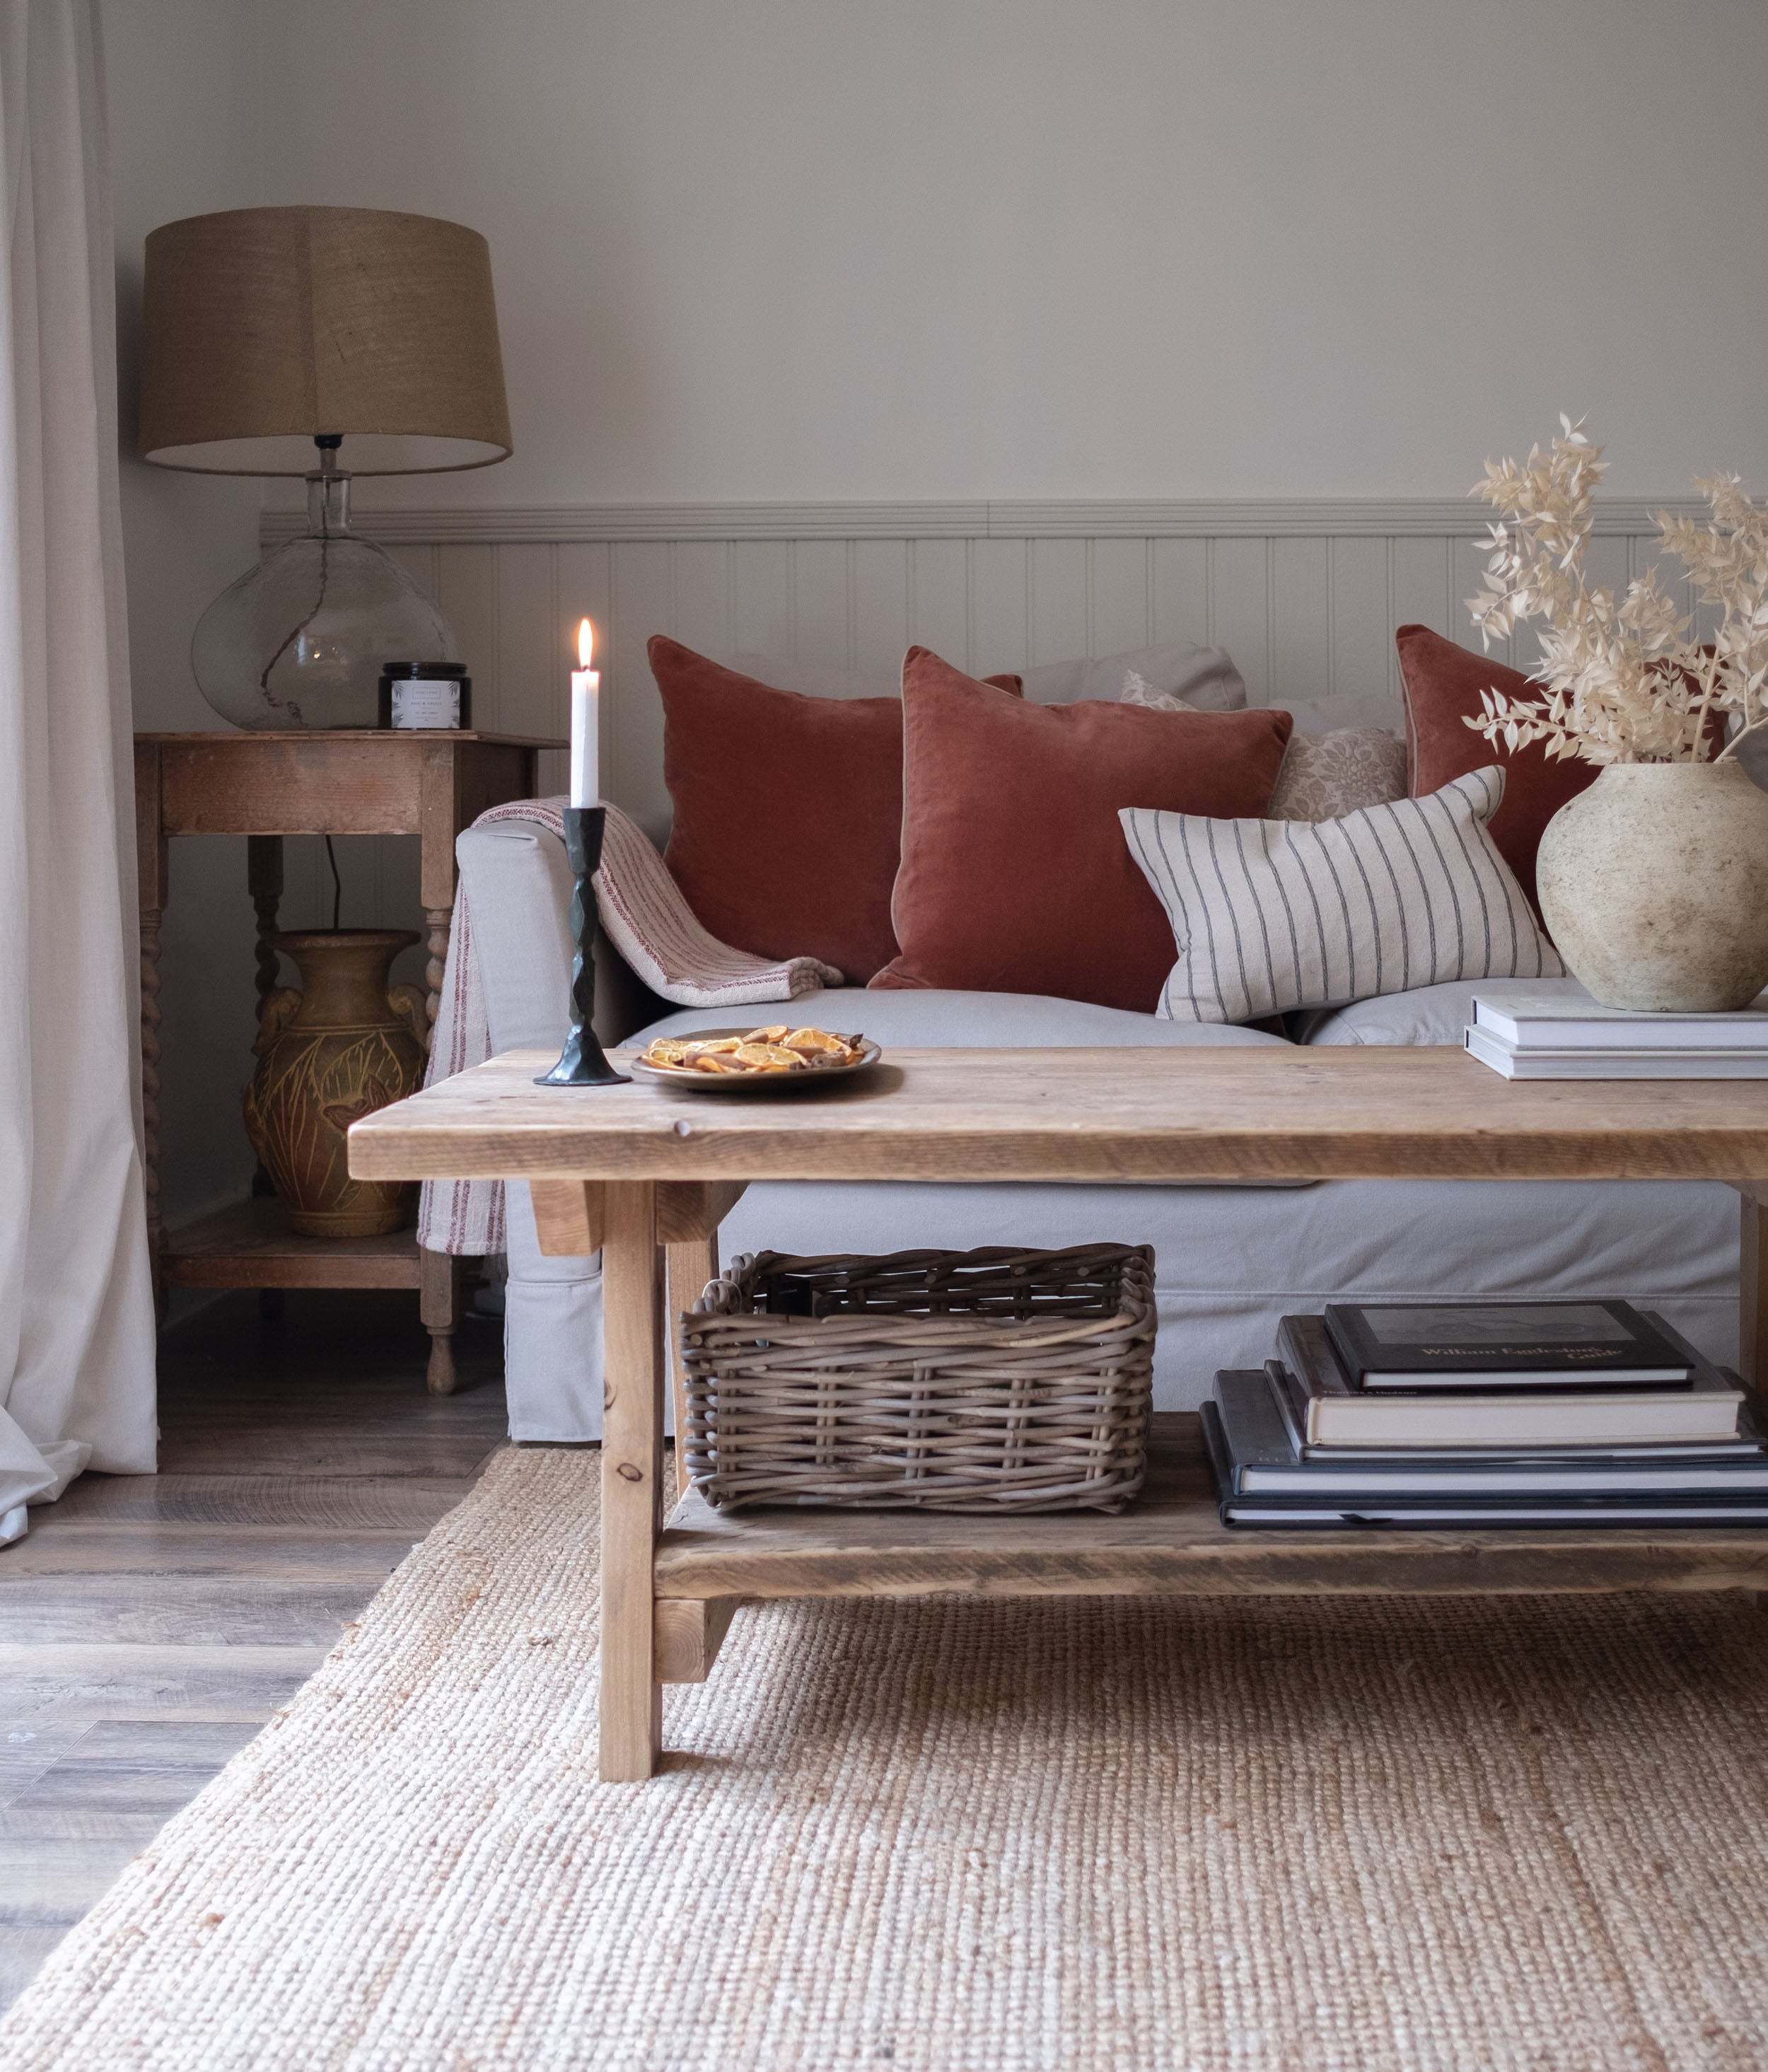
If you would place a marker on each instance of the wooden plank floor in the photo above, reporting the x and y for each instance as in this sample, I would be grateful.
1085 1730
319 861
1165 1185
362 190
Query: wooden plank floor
149 1624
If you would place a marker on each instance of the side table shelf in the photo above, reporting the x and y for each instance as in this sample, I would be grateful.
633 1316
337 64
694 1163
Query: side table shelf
265 785
250 1244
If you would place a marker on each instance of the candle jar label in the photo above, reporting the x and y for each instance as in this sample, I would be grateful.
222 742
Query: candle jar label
416 702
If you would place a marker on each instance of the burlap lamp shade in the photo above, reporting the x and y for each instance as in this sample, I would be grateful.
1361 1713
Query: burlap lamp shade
266 328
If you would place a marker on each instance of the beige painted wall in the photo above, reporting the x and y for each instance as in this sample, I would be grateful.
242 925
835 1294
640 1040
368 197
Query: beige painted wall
922 248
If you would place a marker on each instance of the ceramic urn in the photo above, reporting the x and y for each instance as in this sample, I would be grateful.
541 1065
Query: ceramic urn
341 1046
1654 885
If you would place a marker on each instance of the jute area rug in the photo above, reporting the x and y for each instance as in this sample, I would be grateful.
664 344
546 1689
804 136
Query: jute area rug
1388 1835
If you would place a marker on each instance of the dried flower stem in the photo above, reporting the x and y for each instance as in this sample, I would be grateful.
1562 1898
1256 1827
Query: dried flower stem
1622 681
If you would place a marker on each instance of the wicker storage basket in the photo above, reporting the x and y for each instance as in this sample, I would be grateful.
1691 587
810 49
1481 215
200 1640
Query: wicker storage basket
992 1381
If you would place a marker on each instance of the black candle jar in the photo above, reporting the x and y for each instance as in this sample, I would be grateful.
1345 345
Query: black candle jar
425 694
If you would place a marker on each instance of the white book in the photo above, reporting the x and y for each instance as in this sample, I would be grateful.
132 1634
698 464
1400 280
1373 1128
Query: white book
1515 1062
1558 1014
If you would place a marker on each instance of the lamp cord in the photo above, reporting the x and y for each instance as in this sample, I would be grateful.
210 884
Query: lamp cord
337 884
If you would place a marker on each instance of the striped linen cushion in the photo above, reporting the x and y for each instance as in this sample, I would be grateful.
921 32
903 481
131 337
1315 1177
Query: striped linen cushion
1273 914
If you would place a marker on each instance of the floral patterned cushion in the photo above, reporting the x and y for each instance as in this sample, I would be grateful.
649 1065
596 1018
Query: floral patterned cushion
1323 776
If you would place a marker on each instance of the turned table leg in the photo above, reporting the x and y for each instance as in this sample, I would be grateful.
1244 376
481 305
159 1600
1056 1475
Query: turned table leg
632 1726
437 921
439 1280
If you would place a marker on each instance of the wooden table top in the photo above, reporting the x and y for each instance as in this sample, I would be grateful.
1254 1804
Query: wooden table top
1084 1114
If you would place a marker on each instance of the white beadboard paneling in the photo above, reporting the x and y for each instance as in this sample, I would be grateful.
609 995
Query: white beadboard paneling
882 624
1058 574
532 659
1363 688
939 580
999 607
640 605
1422 587
701 588
466 591
1180 572
1301 606
762 583
1120 591
1240 610
822 602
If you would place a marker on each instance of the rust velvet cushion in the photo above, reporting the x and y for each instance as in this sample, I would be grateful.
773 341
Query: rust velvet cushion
788 812
1015 875
1442 686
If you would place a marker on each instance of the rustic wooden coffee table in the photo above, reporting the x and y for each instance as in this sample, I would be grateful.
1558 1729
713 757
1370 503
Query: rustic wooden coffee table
645 1173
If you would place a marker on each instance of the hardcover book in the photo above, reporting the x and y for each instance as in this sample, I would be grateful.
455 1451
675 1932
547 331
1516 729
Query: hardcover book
1513 1061
1375 1506
1332 1413
1267 1461
1485 1345
1554 1016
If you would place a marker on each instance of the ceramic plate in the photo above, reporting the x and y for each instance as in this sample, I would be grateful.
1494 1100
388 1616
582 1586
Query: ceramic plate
749 1083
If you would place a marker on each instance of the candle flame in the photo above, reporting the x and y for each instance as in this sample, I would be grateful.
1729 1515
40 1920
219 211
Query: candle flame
585 643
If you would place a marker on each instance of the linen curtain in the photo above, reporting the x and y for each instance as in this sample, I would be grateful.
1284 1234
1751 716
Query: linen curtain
76 1323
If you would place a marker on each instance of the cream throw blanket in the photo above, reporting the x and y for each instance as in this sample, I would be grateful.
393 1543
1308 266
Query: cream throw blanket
646 918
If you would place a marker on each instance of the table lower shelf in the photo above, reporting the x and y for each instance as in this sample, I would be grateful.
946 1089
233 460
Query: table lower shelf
250 1244
1171 1543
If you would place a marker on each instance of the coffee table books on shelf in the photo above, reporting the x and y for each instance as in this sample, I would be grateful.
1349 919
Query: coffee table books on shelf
1552 1030
1306 1442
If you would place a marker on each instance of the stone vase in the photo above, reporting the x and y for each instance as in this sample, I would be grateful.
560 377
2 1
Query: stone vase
330 1052
1653 885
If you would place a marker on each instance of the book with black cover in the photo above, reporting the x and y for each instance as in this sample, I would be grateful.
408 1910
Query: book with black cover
1374 1506
1333 1413
1482 1346
1267 1461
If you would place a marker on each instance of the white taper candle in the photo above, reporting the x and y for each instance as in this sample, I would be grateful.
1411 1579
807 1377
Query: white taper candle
586 731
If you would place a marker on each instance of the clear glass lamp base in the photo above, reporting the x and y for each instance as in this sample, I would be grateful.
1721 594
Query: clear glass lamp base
299 641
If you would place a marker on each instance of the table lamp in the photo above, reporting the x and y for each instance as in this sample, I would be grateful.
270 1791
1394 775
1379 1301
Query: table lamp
323 343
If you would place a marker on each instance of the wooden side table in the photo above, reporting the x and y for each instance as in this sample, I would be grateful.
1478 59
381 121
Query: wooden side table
265 785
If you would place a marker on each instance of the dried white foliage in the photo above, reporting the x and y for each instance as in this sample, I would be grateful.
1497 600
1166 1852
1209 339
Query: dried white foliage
1623 682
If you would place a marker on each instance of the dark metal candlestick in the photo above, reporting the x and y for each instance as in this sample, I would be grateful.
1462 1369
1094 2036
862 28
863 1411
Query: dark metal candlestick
581 1063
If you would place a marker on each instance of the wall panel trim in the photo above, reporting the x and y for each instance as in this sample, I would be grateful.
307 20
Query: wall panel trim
1269 518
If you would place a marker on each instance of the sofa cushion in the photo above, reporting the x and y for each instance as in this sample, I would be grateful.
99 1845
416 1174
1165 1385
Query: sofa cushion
1326 775
1014 875
930 1019
1205 677
1269 915
1442 685
1426 1014
788 810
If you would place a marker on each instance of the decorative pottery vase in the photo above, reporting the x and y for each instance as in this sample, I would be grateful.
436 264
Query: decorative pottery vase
1653 885
342 1047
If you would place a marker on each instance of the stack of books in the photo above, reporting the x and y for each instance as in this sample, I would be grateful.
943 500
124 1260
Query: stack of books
1485 1414
1554 1030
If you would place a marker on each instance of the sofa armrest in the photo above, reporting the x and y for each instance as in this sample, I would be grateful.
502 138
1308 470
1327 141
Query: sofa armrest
519 886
